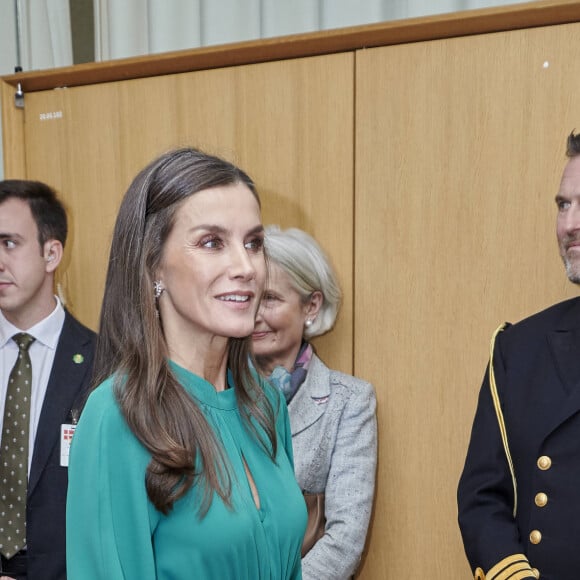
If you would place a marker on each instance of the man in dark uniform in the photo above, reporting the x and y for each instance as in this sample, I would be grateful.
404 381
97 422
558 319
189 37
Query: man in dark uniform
519 494
45 362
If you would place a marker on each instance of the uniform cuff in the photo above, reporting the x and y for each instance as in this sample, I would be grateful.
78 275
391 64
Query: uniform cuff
514 567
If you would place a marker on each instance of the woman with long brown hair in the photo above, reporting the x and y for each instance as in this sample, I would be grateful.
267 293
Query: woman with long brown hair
181 465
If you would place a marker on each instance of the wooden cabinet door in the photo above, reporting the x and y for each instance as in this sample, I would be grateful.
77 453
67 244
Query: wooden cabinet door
459 150
289 124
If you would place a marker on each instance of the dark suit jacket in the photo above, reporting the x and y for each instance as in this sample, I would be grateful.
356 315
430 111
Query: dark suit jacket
47 485
537 368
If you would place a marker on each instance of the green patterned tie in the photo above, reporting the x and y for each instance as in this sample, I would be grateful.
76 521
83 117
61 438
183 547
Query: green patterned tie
14 451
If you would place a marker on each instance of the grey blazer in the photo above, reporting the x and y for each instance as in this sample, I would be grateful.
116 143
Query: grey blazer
334 436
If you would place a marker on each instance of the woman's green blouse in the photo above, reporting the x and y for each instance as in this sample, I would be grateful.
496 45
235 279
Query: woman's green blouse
114 532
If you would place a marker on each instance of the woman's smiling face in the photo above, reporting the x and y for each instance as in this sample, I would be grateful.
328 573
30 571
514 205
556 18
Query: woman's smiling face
213 267
280 322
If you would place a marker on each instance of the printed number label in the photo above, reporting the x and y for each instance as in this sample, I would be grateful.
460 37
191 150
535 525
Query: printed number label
51 115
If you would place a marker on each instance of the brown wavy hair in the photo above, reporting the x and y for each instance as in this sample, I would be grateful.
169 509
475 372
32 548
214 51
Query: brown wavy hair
132 348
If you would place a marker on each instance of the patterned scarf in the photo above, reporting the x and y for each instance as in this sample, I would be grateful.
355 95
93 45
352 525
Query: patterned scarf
288 382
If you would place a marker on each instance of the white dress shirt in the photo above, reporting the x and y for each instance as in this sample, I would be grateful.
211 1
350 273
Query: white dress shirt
42 352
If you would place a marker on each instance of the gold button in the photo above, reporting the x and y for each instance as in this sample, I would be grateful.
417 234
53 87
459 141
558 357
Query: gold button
479 575
541 499
536 572
535 536
544 462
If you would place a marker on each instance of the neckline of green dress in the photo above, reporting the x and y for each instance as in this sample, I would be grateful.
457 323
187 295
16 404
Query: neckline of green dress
204 391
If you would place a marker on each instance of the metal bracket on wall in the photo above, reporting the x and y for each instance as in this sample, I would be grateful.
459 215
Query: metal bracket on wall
19 97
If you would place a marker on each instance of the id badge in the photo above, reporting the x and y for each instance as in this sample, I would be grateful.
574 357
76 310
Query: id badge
67 431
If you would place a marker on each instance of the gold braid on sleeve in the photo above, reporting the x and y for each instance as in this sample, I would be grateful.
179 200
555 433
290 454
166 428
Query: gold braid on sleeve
499 414
516 566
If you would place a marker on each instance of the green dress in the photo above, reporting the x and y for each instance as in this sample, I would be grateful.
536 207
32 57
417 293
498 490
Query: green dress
114 532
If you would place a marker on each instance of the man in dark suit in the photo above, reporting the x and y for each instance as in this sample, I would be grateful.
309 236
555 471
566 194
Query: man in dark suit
45 365
519 494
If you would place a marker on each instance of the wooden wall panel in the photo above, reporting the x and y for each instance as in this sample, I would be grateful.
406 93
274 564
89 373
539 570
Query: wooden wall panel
459 151
289 124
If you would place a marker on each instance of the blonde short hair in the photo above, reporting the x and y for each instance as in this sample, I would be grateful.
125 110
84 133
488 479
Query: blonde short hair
309 269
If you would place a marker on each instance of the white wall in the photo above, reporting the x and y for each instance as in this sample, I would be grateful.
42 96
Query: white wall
137 27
